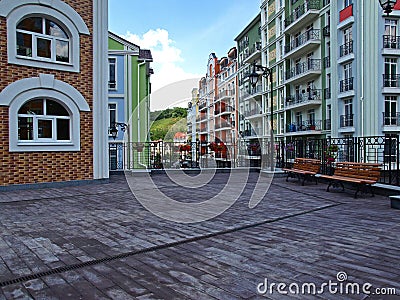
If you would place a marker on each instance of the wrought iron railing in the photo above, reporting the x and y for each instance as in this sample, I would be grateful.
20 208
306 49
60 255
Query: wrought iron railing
303 98
346 85
391 42
391 80
346 49
304 126
346 120
301 10
312 34
310 65
391 119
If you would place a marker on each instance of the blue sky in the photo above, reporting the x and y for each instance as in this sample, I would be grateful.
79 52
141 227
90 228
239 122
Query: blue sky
181 34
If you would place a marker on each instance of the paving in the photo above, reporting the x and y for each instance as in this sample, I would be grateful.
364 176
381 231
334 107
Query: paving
99 242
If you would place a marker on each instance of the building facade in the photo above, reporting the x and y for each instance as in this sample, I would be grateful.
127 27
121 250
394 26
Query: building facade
53 96
129 90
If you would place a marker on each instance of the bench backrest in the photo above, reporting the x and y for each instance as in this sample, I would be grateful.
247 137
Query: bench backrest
365 171
307 164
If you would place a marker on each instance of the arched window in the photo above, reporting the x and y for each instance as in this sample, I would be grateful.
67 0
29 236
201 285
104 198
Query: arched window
42 38
43 120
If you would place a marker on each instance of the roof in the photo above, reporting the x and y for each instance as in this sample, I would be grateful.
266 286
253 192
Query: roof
145 54
122 40
180 135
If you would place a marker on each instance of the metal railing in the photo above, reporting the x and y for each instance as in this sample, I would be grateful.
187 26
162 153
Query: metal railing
391 119
302 98
310 65
346 85
226 93
304 126
327 62
346 49
346 120
391 80
384 150
301 10
312 34
391 42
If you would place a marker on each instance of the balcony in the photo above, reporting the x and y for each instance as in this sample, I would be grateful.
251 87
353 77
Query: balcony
253 54
303 15
223 124
255 112
391 45
202 105
391 121
346 121
304 71
256 131
304 127
327 93
346 85
391 83
311 97
251 92
304 43
327 62
225 95
327 124
346 52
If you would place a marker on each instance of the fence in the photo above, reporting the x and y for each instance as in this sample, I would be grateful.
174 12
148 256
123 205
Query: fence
166 155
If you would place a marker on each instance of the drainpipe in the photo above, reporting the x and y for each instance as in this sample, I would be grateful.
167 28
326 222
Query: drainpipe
361 3
138 110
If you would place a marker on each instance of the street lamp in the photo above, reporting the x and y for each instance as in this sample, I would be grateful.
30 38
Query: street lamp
387 5
114 129
258 71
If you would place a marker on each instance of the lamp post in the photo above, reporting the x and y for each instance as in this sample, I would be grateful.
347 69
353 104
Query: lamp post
114 129
387 5
259 70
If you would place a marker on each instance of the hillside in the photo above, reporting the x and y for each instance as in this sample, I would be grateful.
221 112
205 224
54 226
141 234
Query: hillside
166 123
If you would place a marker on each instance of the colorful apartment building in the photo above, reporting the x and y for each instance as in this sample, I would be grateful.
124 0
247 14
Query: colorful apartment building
53 91
129 92
217 117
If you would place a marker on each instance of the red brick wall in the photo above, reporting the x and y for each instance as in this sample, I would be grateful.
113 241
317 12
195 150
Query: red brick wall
36 167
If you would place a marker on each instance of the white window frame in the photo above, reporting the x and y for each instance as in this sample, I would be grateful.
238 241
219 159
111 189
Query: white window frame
56 10
116 73
45 86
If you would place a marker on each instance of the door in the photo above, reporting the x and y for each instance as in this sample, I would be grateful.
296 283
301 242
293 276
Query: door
390 77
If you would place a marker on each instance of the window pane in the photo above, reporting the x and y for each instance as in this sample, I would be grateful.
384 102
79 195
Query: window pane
55 30
45 129
24 44
34 107
53 108
63 130
25 129
43 48
62 51
33 24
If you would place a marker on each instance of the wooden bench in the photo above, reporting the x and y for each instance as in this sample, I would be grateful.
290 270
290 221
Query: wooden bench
304 167
359 174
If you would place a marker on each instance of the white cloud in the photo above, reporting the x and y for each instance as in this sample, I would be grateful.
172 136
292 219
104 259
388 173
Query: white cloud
166 59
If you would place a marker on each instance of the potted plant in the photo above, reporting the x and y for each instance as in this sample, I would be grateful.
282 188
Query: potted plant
331 154
184 147
138 146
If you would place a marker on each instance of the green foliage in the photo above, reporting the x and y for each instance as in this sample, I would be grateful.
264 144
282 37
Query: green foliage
176 112
165 129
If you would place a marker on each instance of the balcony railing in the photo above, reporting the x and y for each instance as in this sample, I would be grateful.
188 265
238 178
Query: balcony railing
391 119
253 112
256 131
327 62
256 47
302 98
391 80
226 93
304 126
301 10
223 124
346 49
391 42
327 124
346 85
312 34
251 91
327 93
310 65
346 121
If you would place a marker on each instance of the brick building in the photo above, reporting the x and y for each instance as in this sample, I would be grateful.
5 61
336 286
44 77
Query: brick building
53 91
